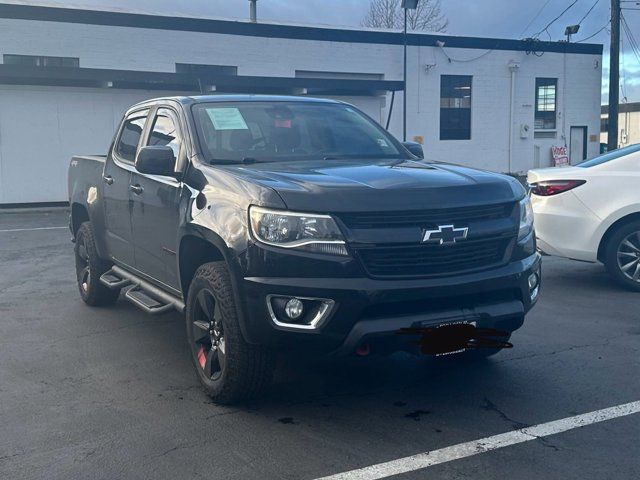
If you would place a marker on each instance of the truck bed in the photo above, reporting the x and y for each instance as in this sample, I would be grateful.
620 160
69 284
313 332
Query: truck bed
85 171
93 158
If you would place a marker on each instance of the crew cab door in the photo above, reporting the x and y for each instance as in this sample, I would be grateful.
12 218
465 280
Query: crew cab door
116 193
156 206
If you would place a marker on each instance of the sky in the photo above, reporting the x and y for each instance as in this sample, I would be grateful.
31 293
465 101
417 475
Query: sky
484 18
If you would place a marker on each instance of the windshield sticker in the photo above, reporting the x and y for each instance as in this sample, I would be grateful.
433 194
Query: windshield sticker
383 143
227 119
283 123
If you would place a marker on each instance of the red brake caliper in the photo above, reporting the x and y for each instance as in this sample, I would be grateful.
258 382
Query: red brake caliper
202 357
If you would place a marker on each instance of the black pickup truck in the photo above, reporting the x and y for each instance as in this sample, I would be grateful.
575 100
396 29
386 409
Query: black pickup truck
285 223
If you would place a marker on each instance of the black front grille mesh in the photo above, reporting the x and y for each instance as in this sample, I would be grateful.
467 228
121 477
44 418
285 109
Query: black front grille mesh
433 259
426 218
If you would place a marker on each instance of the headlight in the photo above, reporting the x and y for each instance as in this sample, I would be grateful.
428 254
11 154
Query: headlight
302 231
526 218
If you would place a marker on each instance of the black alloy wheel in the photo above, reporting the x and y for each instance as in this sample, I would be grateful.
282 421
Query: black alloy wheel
228 368
83 269
207 341
89 268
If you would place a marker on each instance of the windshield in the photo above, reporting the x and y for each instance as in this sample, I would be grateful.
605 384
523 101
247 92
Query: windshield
279 131
607 157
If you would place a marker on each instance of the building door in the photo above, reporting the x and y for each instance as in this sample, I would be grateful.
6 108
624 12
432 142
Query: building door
578 145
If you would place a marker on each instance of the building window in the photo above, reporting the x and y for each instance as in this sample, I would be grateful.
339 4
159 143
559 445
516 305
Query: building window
455 107
202 69
339 75
546 103
41 61
604 124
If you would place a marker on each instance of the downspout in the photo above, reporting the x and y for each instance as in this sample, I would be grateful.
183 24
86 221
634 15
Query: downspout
393 97
564 105
513 68
253 11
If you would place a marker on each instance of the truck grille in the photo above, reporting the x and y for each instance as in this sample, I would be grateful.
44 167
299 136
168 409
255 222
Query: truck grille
426 218
432 259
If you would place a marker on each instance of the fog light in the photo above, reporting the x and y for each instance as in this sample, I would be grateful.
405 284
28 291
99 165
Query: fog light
534 285
294 309
299 313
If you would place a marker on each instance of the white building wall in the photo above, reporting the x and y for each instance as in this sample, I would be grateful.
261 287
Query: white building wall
41 128
68 121
578 104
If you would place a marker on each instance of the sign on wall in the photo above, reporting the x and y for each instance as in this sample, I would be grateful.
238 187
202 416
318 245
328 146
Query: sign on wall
560 156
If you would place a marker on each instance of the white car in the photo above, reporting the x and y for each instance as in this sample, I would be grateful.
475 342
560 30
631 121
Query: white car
591 212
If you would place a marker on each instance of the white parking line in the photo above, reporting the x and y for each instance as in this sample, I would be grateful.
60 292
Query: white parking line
30 229
469 449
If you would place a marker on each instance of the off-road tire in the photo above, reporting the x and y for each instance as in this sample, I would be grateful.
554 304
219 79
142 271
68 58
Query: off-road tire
89 268
611 250
248 369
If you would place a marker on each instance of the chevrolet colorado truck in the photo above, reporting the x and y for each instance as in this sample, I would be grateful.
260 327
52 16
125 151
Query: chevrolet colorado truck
287 223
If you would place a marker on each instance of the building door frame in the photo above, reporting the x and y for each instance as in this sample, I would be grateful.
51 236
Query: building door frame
584 135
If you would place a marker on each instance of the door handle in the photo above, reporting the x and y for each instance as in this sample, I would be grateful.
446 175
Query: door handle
137 189
108 179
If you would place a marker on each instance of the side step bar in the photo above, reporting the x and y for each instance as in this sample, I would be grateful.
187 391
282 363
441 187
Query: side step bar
141 293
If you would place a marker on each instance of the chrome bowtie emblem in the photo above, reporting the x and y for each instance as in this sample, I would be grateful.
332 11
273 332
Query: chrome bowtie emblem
445 235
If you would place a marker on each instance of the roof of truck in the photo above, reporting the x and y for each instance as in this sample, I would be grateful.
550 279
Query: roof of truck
256 98
193 99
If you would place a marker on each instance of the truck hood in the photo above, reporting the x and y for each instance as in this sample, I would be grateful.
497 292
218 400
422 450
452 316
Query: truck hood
389 185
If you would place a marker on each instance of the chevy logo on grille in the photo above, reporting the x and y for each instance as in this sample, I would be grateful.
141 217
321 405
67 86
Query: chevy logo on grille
445 235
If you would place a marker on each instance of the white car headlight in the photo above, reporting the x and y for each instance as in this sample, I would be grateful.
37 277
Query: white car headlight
526 218
302 231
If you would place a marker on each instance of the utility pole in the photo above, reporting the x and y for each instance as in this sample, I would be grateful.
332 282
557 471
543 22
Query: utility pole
614 76
404 94
406 5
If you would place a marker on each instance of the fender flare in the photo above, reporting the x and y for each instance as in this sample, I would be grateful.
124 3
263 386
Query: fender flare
230 258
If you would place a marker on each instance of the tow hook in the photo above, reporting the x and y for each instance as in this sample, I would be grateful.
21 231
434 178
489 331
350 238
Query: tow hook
363 350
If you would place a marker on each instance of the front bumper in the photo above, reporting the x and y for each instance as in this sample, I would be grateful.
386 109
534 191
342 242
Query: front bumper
366 308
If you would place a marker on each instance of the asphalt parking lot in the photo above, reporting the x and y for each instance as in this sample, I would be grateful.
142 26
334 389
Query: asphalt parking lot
110 393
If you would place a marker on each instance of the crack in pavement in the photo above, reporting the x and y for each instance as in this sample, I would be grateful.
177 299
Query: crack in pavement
492 407
563 350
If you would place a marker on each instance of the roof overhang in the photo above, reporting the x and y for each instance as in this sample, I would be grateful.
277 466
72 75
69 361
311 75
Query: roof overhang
202 82
623 108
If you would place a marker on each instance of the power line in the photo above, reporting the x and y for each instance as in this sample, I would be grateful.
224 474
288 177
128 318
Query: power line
596 33
589 12
623 83
535 17
635 48
546 28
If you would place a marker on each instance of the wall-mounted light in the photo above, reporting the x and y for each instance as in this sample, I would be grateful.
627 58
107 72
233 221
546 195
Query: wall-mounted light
571 30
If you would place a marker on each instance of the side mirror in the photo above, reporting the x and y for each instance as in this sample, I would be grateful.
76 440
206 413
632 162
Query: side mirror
415 148
156 160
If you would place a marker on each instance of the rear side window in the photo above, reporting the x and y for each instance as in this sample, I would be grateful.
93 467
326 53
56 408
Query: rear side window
127 146
607 157
164 132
